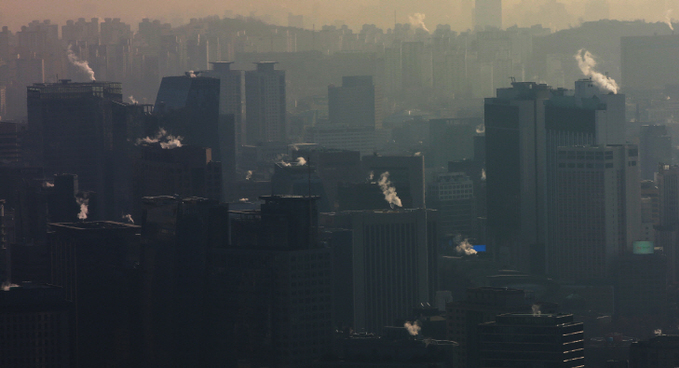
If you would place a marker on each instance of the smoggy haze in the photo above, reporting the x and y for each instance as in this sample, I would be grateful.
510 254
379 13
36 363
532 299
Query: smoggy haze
549 13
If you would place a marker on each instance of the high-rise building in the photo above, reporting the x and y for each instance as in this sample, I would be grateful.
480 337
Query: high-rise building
79 128
656 352
544 340
655 147
514 122
524 126
34 326
482 305
488 14
452 194
186 171
356 103
270 286
95 263
265 105
232 129
597 210
394 264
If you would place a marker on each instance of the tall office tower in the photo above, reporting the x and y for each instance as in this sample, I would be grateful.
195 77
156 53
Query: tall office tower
597 210
546 340
452 194
655 147
96 264
11 135
668 188
186 171
356 103
178 235
270 287
524 126
488 14
230 93
406 174
514 123
482 305
394 264
76 126
188 106
265 105
644 62
34 325
656 352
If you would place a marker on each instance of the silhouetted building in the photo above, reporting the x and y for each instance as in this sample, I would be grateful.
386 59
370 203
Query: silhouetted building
657 352
96 265
270 288
357 102
265 105
178 235
394 263
10 142
452 194
481 305
655 147
188 106
451 140
34 327
641 285
546 340
597 215
74 126
186 171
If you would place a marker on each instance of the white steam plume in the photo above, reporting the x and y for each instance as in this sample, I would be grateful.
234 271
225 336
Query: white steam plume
657 332
83 202
389 191
413 328
7 285
132 100
417 21
586 63
464 247
480 129
167 141
83 65
668 19
371 176
301 161
483 174
128 218
536 310
47 184
248 175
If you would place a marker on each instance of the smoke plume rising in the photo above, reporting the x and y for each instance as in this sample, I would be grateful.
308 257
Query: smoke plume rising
83 65
128 218
167 141
668 19
417 21
413 328
389 191
586 63
248 175
464 247
483 174
83 202
301 161
132 100
536 310
480 129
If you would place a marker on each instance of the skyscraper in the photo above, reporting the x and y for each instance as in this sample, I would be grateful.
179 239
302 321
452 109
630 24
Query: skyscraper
356 103
597 210
76 126
393 264
265 104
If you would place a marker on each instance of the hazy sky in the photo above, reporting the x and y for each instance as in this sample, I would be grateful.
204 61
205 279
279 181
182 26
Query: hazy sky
458 13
